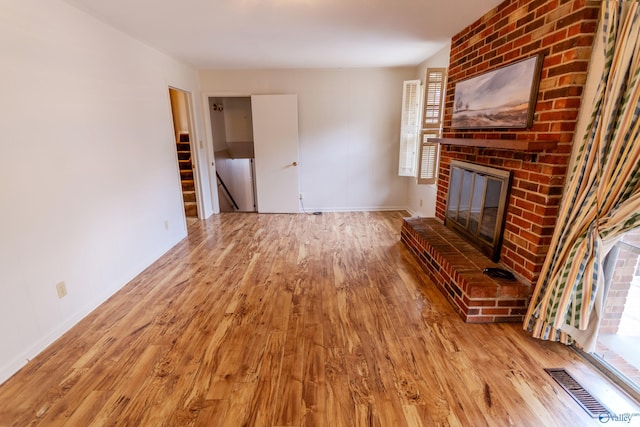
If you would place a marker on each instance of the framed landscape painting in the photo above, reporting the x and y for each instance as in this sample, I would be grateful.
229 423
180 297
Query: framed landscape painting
501 98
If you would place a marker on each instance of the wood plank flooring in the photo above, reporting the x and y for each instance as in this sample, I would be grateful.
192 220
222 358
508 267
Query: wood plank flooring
290 320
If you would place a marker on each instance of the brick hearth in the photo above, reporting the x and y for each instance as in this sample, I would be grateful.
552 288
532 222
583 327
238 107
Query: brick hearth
455 266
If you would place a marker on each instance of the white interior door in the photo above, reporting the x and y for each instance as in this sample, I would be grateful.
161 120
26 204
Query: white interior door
275 136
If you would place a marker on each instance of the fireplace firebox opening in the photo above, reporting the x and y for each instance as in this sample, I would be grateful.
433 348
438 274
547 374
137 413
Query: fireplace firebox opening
476 204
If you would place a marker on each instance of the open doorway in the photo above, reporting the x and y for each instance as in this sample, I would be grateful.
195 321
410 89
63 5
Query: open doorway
184 136
260 131
232 136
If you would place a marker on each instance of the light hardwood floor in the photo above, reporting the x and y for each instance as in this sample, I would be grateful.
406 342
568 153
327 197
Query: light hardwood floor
289 320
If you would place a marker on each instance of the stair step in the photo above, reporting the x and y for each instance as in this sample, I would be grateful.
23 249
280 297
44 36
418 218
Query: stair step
186 174
184 155
189 196
188 185
190 209
182 146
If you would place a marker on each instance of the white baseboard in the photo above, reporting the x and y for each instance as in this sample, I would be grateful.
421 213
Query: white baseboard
22 359
356 209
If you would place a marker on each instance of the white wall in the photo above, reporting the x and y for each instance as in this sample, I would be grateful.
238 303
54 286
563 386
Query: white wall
422 197
237 176
237 120
217 123
349 127
88 170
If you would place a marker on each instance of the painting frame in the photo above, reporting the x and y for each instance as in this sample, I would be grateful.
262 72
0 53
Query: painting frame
503 98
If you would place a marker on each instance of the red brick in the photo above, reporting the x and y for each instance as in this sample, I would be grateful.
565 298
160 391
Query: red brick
482 303
496 311
567 20
552 61
515 319
585 27
542 7
483 291
559 115
563 126
512 303
514 257
563 92
461 305
554 38
572 79
580 40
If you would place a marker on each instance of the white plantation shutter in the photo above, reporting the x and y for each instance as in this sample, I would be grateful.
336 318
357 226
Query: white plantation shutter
409 127
433 95
431 125
429 152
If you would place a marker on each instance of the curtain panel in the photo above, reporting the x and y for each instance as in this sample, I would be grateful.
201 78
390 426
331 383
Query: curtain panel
601 200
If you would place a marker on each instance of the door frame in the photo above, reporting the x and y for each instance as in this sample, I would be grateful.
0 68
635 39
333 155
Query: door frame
213 183
193 144
209 142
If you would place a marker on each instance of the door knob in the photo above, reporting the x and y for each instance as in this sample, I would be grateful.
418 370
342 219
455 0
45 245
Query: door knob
294 164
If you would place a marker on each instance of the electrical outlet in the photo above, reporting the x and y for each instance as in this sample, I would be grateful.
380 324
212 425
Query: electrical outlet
420 202
166 224
300 196
61 288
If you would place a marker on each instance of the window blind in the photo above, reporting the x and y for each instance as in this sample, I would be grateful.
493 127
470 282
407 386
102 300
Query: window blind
429 152
409 127
435 80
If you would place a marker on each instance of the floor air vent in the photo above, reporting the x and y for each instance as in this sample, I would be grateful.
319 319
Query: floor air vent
589 403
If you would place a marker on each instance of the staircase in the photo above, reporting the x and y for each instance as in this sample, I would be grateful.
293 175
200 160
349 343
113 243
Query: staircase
186 176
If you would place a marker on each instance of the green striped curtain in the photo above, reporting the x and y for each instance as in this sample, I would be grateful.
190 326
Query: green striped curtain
601 199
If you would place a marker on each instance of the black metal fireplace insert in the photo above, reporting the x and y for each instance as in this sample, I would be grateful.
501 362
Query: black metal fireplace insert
476 204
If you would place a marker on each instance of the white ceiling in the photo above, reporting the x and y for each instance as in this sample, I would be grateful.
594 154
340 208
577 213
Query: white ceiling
291 33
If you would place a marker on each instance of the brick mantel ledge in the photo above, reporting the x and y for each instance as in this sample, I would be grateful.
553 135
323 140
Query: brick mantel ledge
455 266
503 144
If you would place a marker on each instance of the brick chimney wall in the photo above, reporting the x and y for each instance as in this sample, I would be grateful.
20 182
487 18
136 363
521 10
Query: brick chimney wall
563 31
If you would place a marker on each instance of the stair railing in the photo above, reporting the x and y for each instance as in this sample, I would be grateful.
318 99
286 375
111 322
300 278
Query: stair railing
226 190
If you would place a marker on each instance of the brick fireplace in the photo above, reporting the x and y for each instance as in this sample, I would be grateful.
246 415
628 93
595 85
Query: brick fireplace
563 31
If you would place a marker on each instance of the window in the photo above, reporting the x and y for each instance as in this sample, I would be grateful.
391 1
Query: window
618 345
431 124
409 127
